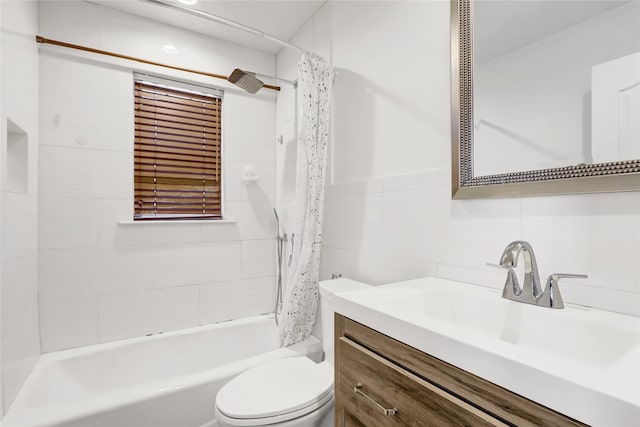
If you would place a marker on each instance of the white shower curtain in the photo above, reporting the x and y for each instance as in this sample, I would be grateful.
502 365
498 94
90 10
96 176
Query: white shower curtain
315 79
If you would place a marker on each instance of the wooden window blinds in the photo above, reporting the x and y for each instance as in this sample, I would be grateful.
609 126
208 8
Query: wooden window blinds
177 153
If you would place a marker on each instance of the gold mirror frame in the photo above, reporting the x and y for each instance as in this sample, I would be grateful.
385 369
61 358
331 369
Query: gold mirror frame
592 178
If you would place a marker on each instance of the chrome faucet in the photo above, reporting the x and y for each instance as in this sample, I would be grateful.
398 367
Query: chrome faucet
530 292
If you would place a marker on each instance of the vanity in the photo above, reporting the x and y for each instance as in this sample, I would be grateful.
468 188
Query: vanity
405 386
436 352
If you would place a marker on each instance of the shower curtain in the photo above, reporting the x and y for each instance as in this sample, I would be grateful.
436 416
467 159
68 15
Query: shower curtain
315 79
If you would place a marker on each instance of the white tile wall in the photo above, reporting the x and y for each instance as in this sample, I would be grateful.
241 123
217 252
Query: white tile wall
597 234
247 117
71 126
229 300
18 231
21 318
575 232
140 313
286 156
195 264
110 185
69 272
19 331
68 322
372 268
67 222
76 25
124 270
354 222
103 277
110 231
472 233
237 189
389 214
393 70
408 209
77 179
258 258
255 220
210 232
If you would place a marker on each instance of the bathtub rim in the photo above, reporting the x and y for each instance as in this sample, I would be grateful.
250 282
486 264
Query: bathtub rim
69 353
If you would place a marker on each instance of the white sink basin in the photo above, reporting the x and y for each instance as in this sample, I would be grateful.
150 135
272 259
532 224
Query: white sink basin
582 362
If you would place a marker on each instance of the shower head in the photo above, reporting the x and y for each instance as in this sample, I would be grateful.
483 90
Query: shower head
245 80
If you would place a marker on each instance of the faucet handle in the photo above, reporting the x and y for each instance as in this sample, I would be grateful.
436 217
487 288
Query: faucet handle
557 276
551 296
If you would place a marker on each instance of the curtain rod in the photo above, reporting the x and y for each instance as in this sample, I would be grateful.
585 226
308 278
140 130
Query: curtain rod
43 40
224 21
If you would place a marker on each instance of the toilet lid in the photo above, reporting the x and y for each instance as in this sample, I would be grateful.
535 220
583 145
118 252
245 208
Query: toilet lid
275 388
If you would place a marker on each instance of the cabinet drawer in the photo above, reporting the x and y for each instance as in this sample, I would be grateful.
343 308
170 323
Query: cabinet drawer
368 384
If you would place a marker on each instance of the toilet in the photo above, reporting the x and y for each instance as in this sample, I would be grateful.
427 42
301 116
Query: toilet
287 392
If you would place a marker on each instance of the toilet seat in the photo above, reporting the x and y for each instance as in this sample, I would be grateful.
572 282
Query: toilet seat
275 391
254 422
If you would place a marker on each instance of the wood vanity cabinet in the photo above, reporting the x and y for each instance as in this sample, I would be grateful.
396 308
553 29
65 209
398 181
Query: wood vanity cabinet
375 373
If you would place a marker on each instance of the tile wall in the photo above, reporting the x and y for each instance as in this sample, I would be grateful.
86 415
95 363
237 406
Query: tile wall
19 333
102 277
389 214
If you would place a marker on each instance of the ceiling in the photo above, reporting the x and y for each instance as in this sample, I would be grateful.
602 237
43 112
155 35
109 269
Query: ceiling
281 19
502 26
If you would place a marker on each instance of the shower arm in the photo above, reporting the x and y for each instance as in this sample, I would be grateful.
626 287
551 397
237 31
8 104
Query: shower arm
223 21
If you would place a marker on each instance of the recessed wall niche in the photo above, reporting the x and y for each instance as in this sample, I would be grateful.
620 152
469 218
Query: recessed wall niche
17 160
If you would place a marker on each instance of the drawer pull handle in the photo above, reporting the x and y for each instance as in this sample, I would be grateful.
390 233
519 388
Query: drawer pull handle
358 390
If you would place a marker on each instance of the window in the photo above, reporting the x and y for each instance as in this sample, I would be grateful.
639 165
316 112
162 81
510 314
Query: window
177 151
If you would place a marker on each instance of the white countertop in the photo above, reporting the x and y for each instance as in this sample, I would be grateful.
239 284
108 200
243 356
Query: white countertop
581 362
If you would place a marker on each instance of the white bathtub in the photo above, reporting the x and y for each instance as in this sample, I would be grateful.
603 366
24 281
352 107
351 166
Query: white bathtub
168 379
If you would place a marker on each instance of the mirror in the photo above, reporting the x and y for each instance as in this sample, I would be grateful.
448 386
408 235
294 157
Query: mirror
546 97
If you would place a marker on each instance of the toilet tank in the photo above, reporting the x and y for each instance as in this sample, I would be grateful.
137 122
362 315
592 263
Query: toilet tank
328 289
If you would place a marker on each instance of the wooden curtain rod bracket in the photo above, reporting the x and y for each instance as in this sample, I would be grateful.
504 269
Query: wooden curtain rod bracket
43 40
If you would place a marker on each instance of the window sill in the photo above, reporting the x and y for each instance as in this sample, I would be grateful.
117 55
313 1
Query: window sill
185 221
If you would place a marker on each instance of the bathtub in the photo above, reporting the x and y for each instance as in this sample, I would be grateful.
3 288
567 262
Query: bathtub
168 379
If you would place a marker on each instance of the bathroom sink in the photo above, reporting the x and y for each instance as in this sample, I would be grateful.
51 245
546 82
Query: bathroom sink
573 333
591 355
